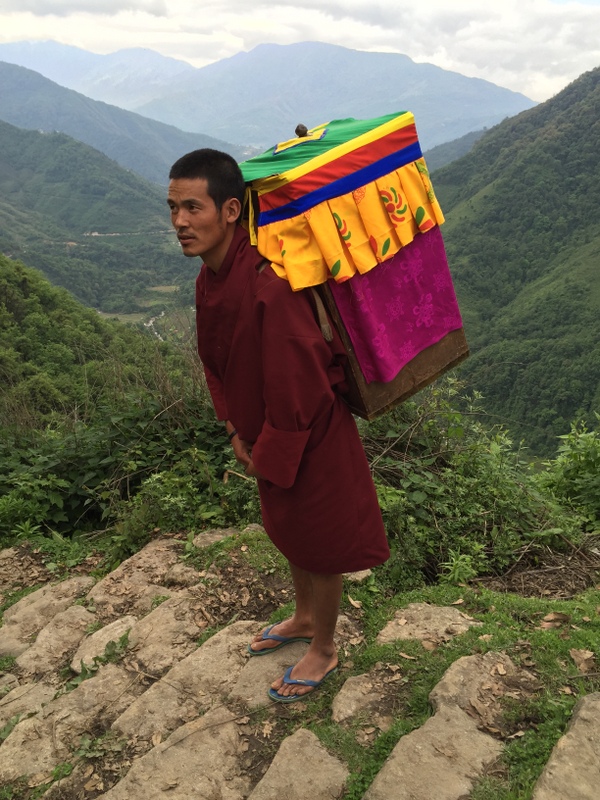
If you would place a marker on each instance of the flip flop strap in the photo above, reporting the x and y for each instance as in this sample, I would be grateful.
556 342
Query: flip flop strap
298 681
273 636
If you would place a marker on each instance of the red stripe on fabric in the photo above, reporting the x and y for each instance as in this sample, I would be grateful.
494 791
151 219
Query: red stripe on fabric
345 165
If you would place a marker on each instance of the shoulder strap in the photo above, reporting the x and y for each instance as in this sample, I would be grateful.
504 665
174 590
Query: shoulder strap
322 316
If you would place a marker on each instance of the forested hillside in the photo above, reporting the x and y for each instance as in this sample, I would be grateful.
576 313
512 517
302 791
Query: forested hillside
31 101
523 239
56 194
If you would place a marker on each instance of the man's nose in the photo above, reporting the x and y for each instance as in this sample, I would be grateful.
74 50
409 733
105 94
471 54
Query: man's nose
179 218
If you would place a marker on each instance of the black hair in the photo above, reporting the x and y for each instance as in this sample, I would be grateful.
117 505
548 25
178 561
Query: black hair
223 177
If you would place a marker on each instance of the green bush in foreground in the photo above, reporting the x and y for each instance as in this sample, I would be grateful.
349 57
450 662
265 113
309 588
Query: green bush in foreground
457 500
574 476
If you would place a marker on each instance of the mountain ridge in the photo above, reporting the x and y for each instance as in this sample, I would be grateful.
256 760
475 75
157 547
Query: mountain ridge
30 101
523 241
256 98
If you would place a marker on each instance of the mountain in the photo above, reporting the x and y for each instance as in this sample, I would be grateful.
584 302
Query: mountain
85 222
448 152
31 101
523 240
258 98
126 78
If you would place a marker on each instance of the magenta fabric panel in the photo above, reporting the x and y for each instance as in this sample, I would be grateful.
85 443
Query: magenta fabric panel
400 307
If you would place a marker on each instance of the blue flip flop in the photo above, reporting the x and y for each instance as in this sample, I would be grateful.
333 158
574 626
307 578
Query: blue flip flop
283 640
291 698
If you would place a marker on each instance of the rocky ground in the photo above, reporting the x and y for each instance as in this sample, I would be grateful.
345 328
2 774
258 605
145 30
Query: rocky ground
110 695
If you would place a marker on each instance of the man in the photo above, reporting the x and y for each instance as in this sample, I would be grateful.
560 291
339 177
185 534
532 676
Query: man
274 380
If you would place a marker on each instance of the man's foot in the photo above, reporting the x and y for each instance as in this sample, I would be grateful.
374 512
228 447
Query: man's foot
306 676
276 636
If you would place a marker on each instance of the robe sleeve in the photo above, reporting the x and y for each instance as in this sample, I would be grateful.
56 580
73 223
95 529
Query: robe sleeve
215 387
297 388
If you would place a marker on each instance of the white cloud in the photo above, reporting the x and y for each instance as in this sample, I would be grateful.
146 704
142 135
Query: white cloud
64 8
532 46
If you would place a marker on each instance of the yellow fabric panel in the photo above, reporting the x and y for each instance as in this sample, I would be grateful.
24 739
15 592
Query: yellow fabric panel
354 232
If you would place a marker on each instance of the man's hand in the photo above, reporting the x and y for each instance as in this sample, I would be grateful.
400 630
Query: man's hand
252 472
242 451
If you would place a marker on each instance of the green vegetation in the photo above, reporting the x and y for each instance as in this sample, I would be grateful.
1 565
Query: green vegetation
106 428
89 225
523 240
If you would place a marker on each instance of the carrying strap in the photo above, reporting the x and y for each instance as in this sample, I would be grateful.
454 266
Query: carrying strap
322 316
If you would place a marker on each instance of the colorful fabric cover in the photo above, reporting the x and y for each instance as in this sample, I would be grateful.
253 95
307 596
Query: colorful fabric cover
342 199
352 195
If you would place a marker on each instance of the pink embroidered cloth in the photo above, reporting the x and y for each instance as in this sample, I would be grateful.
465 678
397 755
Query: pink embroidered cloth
401 307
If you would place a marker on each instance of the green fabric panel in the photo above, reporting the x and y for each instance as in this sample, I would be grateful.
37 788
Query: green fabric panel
338 132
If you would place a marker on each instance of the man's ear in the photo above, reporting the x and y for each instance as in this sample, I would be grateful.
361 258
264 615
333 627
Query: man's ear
232 208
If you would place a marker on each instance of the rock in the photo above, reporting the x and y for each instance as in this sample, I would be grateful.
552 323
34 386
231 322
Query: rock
356 695
193 685
443 759
134 586
426 623
56 641
27 699
8 682
259 672
302 769
478 683
359 577
94 645
201 759
37 744
180 575
23 621
167 634
206 538
573 770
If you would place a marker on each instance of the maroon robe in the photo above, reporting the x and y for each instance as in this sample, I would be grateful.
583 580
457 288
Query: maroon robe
273 375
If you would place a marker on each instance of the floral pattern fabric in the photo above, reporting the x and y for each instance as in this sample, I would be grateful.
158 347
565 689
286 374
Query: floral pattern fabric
396 311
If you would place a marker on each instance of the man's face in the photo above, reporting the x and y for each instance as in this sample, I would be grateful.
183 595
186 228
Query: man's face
201 228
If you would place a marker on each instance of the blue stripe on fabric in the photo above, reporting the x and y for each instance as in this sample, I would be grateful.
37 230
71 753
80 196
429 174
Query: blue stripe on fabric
343 185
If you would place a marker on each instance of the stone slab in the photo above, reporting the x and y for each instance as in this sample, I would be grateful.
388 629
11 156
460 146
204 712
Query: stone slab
167 634
199 760
26 699
56 641
443 759
426 622
94 646
302 769
37 744
26 618
573 769
196 683
137 582
259 672
356 696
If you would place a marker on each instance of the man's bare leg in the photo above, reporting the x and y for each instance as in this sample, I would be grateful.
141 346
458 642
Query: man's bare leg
301 623
321 656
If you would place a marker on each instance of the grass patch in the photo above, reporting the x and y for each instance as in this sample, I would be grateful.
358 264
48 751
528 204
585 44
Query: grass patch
517 626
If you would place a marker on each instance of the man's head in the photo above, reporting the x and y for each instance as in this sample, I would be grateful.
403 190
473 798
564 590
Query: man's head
206 194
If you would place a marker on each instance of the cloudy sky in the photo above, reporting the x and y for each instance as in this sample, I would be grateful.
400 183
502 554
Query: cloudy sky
533 46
